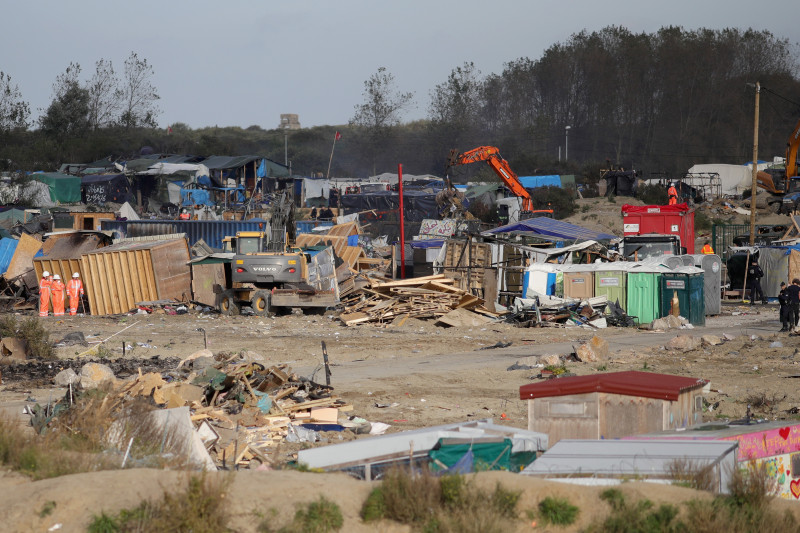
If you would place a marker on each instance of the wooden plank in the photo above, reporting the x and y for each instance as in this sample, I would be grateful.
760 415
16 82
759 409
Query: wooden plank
462 317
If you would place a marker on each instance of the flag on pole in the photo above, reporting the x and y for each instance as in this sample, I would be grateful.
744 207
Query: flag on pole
169 130
338 136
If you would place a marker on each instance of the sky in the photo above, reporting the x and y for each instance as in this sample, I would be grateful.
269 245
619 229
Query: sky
244 62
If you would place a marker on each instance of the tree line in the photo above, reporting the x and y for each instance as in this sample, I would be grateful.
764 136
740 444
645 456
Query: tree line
655 102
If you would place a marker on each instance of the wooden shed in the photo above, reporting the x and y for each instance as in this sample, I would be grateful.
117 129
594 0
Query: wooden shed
612 405
117 277
88 220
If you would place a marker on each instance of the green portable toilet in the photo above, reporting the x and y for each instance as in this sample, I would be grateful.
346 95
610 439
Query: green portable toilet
644 296
687 283
697 300
611 284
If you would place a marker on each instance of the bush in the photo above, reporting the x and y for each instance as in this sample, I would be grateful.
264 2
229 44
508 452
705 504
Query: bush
561 201
640 517
557 511
652 194
321 516
701 221
441 504
200 508
32 331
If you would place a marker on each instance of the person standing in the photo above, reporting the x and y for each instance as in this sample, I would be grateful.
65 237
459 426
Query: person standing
755 274
75 293
794 302
57 288
707 249
44 293
784 301
672 192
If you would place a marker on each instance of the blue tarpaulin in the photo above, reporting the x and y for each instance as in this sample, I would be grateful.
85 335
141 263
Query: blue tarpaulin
531 182
196 197
551 229
7 249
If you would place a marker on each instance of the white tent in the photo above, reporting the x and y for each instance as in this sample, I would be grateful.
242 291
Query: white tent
734 179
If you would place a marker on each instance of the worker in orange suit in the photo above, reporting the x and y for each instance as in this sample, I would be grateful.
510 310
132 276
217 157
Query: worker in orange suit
707 249
57 289
44 293
75 293
672 192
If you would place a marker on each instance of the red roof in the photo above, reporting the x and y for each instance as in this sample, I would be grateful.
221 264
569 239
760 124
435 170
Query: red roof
630 383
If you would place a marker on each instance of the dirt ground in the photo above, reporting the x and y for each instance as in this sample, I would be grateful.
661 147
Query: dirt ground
434 375
428 375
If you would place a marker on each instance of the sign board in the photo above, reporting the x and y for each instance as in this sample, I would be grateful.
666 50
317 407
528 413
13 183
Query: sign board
609 282
630 228
676 284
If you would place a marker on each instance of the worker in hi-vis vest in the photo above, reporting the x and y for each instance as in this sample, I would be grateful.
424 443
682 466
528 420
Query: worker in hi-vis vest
672 192
707 249
44 293
75 293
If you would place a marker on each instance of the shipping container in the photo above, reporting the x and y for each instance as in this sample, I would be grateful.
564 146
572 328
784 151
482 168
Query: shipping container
211 231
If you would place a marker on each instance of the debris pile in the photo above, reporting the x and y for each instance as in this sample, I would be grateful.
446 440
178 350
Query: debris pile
384 303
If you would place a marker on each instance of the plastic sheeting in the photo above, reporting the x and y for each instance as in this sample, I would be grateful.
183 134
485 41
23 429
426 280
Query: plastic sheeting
102 188
63 188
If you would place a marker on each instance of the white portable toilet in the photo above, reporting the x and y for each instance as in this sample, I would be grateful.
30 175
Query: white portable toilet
712 286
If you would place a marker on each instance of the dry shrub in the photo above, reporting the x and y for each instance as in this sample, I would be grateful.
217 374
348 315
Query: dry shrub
201 508
45 456
442 504
693 474
32 331
752 486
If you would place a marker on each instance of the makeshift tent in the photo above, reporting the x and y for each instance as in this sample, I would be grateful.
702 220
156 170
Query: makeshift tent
733 179
549 228
620 182
64 189
102 188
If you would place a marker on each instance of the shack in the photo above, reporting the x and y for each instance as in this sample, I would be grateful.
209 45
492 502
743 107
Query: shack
612 405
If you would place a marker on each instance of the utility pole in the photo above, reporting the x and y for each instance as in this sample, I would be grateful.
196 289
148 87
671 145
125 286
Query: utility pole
754 190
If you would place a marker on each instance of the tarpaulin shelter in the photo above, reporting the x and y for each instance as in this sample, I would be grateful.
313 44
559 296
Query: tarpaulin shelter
620 182
248 170
532 182
102 188
64 188
549 228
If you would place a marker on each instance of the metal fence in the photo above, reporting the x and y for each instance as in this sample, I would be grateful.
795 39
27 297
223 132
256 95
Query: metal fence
211 231
722 236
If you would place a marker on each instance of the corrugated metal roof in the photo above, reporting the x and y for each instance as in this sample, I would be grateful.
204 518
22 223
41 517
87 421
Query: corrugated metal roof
550 228
221 162
629 383
628 457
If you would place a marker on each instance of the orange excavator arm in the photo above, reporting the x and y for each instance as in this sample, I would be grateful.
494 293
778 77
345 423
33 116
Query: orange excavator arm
491 155
791 152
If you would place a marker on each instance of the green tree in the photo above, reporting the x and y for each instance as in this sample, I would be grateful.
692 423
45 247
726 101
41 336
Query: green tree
14 112
68 113
380 113
139 96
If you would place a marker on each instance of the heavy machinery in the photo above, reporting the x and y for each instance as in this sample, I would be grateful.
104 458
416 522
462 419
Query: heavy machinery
784 184
491 155
267 274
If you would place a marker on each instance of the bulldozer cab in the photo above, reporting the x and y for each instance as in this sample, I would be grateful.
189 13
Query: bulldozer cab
256 242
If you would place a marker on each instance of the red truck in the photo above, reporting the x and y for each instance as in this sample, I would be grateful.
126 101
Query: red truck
640 220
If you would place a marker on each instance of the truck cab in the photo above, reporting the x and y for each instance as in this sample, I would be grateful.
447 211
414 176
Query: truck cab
638 247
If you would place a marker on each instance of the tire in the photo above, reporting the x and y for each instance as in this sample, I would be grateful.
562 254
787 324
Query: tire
260 303
227 303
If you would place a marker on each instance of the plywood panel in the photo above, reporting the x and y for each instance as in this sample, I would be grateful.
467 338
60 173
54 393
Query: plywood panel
204 277
22 260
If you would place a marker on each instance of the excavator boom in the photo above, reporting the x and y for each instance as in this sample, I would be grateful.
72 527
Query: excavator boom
491 155
791 152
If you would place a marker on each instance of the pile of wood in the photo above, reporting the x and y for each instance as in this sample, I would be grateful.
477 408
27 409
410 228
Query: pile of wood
385 303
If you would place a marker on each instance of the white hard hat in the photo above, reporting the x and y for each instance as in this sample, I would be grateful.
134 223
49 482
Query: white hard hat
76 275
45 274
56 277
